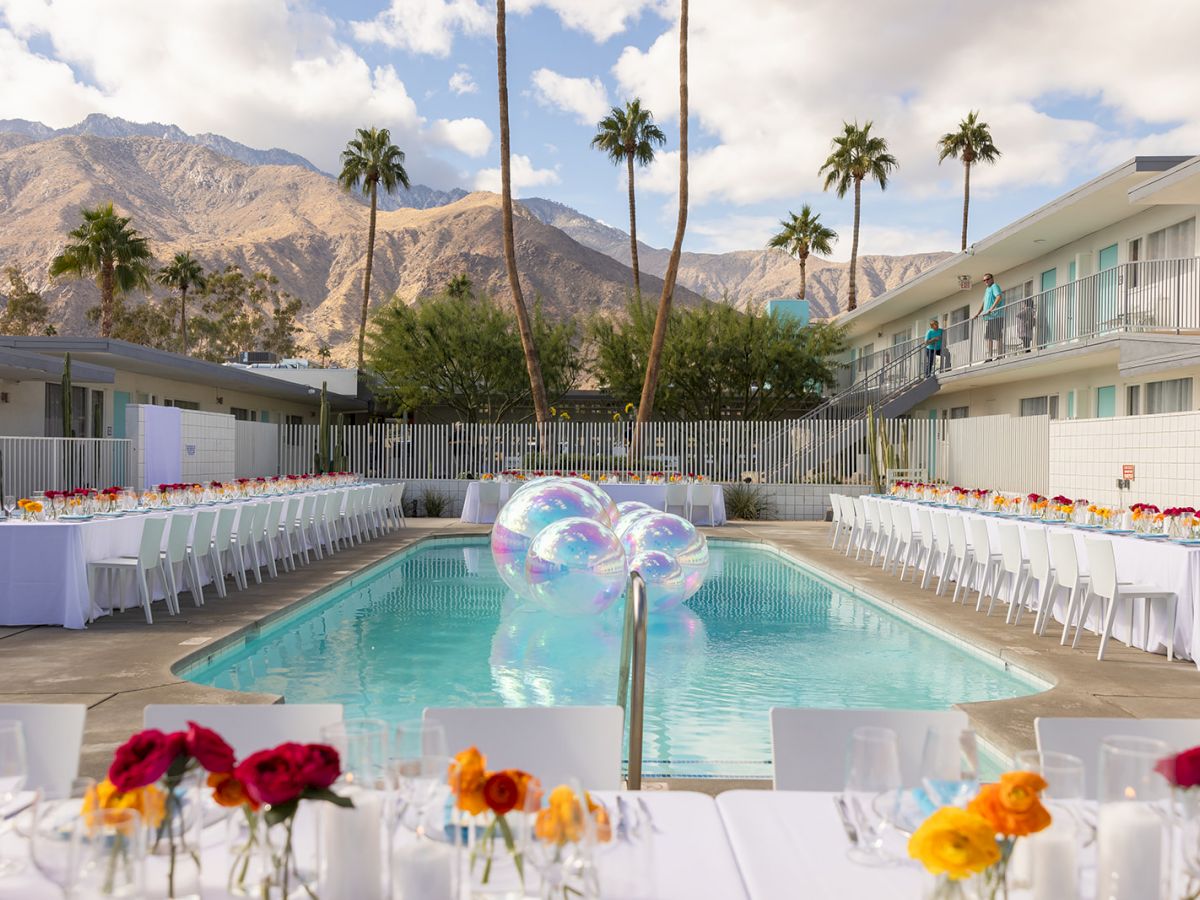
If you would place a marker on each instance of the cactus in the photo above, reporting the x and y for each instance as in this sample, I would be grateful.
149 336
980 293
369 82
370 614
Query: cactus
872 459
904 442
66 398
339 453
323 435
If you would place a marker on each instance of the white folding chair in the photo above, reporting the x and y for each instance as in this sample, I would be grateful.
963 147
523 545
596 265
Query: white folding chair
886 532
251 727
321 510
983 557
868 525
489 501
398 504
1102 568
835 506
372 511
147 562
958 559
270 535
700 497
287 535
304 527
939 552
851 519
808 746
1066 576
906 548
1014 568
676 498
1082 736
178 533
242 546
221 555
53 735
553 743
198 550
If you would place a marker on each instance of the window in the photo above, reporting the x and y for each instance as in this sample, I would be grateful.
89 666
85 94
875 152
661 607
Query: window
1040 406
1174 242
1135 254
864 358
243 415
958 412
54 411
957 327
182 404
295 420
1106 401
97 417
1133 399
1169 396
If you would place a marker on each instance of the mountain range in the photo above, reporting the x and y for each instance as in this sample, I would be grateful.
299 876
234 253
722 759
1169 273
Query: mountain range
227 203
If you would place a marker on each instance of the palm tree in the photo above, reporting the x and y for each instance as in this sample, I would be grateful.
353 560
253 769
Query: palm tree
650 385
801 235
856 155
371 160
533 364
183 273
106 247
972 143
459 287
628 135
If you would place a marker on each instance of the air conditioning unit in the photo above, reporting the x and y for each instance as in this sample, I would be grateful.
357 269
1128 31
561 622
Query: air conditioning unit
252 357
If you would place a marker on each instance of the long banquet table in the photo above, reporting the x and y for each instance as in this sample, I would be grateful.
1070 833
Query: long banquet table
43 565
1158 562
651 494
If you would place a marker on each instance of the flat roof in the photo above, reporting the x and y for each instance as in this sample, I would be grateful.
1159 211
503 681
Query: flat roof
1180 184
1077 213
24 365
124 356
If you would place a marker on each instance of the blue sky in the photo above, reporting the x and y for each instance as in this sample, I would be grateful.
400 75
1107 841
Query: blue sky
772 81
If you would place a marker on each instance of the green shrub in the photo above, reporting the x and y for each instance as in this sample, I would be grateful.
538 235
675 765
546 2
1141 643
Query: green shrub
745 501
435 503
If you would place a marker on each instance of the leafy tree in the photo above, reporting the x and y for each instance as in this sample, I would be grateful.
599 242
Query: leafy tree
149 323
25 312
462 352
971 143
371 160
245 312
105 247
801 235
533 363
720 362
628 135
459 286
183 273
857 155
645 406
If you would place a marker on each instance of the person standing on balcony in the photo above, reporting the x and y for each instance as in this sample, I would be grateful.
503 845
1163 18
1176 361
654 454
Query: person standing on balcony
993 324
933 345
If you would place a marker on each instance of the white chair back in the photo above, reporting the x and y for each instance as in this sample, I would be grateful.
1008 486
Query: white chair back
553 743
1063 558
307 508
925 523
177 537
1039 552
850 511
151 545
870 512
1102 566
258 525
291 516
274 515
245 524
489 494
202 531
1010 547
225 522
808 746
835 504
958 535
248 728
1082 736
980 540
886 524
940 522
53 735
677 495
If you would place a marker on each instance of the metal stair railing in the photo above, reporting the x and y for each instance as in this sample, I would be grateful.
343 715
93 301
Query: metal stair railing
631 683
875 388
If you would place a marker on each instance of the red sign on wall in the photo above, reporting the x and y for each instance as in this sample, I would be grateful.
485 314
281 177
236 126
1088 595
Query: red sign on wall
1127 472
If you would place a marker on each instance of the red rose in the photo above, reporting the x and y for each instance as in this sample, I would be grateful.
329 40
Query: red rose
320 765
209 749
1182 770
273 776
144 758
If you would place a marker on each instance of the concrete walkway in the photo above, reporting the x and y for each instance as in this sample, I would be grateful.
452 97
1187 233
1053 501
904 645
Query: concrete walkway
119 664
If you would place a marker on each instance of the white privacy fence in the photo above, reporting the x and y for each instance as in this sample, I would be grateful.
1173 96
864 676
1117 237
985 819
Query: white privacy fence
1004 453
29 465
256 449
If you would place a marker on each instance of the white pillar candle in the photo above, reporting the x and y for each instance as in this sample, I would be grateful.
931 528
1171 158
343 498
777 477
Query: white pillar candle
1128 852
352 848
423 871
1054 862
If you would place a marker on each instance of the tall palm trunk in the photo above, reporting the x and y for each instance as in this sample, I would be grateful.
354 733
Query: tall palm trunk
537 387
362 321
803 275
853 304
637 279
966 199
650 385
183 319
107 278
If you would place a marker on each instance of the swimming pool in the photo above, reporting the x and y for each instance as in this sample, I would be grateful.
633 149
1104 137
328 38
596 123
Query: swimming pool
434 626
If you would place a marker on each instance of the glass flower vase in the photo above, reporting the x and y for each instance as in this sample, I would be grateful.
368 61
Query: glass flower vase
273 862
1188 808
494 860
173 848
943 887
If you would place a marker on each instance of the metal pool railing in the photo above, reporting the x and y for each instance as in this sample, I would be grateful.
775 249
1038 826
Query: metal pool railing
631 678
32 464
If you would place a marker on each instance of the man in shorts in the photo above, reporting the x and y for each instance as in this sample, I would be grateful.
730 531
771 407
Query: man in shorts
993 323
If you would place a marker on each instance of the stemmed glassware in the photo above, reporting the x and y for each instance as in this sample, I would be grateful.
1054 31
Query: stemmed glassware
14 769
950 766
10 503
53 825
872 769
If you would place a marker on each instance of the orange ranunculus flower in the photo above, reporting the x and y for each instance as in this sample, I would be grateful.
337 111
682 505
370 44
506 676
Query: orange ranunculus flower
228 791
149 801
955 842
467 779
1013 805
562 820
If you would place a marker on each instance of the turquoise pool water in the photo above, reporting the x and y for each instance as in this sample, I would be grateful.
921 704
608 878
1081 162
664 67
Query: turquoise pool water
433 626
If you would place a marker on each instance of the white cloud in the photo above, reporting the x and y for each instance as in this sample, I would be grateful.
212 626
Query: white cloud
586 98
425 26
524 175
602 19
469 136
462 82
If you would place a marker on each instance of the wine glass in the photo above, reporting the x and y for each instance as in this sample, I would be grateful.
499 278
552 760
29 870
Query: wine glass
564 852
950 766
10 503
14 769
872 769
362 746
53 823
420 780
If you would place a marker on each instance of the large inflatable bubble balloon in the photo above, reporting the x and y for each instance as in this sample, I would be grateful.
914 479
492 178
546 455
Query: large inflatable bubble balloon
601 496
527 513
665 587
674 536
576 567
627 506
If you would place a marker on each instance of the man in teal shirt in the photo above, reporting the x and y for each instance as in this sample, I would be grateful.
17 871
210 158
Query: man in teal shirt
992 312
933 345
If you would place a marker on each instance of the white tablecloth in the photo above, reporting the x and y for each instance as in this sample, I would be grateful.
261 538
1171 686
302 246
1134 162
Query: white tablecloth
652 494
691 858
1158 562
43 566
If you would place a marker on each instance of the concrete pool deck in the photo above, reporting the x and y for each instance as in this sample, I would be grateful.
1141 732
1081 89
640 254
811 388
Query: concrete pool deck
119 664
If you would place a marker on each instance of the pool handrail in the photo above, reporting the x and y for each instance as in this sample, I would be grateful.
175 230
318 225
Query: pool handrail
631 685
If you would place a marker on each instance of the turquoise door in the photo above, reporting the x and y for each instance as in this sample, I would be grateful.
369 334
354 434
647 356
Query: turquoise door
1047 314
1106 402
120 401
1106 291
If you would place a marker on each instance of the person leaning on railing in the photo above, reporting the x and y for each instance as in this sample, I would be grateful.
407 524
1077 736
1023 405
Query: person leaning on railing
993 325
933 345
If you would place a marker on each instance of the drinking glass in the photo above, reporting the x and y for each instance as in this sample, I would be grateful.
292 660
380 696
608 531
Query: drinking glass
107 855
420 781
950 766
1049 860
13 771
872 769
362 745
564 854
1134 834
10 503
420 737
53 824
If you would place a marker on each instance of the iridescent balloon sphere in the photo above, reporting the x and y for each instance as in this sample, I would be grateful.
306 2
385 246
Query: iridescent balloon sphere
601 496
627 506
665 586
528 512
576 567
629 517
675 536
